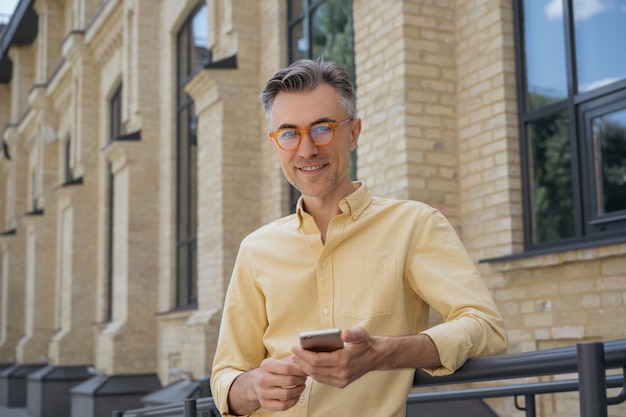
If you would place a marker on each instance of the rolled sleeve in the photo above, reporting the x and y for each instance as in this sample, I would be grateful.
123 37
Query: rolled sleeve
221 382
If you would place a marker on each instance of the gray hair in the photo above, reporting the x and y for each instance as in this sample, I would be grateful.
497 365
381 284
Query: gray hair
305 75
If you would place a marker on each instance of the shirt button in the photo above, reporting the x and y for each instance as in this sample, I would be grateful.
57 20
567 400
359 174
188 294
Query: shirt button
323 264
326 311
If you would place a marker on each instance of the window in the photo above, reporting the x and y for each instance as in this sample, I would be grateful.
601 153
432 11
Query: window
192 54
321 29
572 90
108 315
115 131
69 166
34 197
115 114
35 167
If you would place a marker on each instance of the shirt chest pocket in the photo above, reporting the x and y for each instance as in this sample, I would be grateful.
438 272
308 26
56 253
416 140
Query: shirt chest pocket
367 287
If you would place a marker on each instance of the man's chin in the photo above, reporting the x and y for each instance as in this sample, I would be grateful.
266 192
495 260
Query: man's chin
310 190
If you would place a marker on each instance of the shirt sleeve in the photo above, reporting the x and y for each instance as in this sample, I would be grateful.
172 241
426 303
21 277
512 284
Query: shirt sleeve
240 344
444 275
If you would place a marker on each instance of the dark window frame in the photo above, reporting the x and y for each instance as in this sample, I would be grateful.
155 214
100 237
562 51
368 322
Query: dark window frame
190 60
580 107
115 132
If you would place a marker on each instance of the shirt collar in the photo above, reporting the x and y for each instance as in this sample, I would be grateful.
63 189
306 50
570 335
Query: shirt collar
354 204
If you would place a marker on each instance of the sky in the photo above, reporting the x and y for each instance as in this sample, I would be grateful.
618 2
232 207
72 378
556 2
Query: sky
7 6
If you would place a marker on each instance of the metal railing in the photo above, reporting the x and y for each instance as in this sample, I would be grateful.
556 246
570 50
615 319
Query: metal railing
589 360
191 407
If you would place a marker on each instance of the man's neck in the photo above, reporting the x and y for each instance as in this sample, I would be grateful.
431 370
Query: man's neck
324 208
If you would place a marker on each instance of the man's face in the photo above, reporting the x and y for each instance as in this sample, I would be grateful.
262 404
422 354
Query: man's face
316 171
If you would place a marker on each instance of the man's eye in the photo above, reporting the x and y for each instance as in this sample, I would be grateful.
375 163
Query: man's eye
288 134
319 130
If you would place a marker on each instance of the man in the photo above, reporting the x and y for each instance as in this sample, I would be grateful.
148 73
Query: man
367 265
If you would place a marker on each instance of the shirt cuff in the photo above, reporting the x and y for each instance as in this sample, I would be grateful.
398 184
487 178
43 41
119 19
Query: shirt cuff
223 381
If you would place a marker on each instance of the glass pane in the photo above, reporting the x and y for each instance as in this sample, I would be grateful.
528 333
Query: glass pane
200 39
299 42
182 266
193 276
609 141
116 114
182 58
193 184
550 171
295 8
600 59
332 33
544 40
200 27
183 198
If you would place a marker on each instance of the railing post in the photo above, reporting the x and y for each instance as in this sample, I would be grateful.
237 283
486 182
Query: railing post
531 410
190 407
591 379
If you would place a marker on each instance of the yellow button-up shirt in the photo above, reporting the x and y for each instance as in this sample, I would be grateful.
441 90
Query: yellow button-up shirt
383 264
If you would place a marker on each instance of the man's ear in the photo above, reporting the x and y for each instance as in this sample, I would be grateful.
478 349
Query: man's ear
354 133
272 142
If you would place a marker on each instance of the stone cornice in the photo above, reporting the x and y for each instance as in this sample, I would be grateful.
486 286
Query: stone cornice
74 48
105 34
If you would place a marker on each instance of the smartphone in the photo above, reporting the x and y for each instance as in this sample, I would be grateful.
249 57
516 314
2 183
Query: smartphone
321 340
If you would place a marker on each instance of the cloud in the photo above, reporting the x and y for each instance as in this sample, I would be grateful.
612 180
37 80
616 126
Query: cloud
599 83
554 10
583 9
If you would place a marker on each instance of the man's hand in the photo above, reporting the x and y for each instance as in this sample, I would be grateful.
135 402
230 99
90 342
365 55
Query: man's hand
275 385
363 353
343 366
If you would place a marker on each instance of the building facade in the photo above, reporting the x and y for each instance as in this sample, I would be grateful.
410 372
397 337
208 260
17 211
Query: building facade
135 159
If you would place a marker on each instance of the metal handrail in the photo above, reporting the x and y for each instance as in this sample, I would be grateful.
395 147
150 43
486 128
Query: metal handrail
589 359
529 388
523 365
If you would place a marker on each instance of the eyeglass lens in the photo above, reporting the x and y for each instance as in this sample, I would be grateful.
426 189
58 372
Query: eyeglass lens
320 133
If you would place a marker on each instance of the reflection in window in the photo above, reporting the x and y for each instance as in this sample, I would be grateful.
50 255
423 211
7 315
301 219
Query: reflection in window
609 141
544 42
551 178
599 28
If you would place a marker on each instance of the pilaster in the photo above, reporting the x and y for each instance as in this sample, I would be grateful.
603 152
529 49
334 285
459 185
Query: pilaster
49 38
40 228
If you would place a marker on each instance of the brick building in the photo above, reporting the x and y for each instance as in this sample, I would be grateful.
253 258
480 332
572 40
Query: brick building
134 159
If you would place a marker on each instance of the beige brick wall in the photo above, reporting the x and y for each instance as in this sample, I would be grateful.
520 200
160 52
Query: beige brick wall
405 70
437 95
489 169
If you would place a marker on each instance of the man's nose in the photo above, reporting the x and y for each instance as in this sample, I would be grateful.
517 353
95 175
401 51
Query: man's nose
307 146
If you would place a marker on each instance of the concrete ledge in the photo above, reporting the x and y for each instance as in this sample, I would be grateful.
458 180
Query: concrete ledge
13 384
48 389
100 395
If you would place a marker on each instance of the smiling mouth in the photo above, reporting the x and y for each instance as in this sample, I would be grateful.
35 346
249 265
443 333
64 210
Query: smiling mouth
312 168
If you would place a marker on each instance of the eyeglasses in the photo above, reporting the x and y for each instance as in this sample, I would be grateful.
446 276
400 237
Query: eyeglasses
321 134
